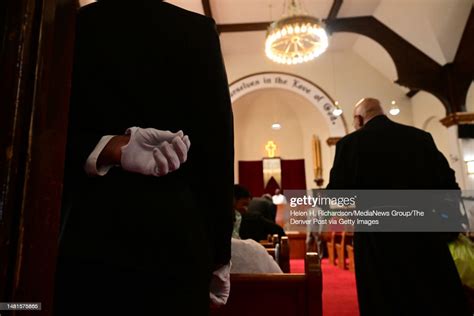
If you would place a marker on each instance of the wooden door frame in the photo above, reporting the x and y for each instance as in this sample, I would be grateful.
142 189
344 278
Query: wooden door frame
35 78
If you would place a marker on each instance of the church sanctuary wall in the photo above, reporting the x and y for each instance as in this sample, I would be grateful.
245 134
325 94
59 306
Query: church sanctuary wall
439 24
427 113
344 75
254 114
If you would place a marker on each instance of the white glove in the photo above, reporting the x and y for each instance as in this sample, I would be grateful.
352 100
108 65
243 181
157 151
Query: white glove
220 286
154 152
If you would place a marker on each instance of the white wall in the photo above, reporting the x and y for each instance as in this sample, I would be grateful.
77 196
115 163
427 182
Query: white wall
376 56
253 116
427 111
344 75
433 26
300 120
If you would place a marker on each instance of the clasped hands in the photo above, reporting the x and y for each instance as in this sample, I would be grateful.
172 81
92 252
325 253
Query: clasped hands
154 152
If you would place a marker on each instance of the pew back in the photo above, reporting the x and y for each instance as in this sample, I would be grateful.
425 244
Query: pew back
298 294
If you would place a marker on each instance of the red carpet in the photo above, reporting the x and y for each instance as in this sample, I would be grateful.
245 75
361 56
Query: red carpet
339 289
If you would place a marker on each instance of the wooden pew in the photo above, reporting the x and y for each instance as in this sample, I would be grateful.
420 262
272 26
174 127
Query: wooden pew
283 254
298 294
297 244
271 241
331 247
280 251
350 252
341 249
350 255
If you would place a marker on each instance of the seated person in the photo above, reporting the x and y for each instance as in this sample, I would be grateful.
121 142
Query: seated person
251 225
248 256
263 206
241 202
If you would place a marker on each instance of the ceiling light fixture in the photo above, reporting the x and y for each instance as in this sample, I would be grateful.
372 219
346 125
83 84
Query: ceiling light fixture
296 38
394 110
276 126
337 110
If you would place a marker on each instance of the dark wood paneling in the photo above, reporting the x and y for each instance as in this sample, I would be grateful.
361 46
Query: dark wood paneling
243 27
331 141
37 68
415 69
17 68
457 119
206 6
412 93
3 8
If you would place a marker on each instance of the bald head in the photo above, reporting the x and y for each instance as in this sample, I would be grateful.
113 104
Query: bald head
365 110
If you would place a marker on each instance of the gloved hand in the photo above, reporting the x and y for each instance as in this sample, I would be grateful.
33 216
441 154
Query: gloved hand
154 152
220 286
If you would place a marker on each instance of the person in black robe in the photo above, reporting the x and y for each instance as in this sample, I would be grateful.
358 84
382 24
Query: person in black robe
398 273
263 206
141 244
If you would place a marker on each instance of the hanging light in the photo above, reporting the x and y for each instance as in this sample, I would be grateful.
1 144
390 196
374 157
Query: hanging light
296 38
276 126
394 110
337 110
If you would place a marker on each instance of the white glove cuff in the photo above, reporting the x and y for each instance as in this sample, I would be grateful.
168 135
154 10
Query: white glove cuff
91 167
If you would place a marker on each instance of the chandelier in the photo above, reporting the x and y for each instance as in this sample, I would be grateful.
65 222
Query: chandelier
296 38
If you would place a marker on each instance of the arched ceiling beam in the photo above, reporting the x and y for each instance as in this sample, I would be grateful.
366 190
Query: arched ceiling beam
415 69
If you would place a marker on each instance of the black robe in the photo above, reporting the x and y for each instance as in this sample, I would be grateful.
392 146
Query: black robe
129 238
257 227
399 273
